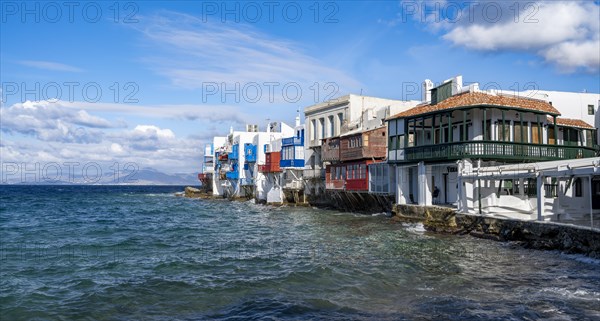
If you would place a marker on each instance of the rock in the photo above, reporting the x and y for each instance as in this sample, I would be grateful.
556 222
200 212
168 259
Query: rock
193 192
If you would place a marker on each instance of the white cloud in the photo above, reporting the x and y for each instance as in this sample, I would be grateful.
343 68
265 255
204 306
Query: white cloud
196 52
71 131
563 33
50 122
49 65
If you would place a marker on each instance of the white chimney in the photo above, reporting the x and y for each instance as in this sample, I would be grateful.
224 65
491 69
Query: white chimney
427 86
457 84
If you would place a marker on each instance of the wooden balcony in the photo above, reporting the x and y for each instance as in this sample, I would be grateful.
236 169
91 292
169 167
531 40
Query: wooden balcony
366 145
330 150
271 163
269 168
522 152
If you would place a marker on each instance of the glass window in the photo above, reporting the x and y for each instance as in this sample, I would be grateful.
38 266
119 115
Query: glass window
322 128
590 109
330 126
571 136
588 138
393 143
488 130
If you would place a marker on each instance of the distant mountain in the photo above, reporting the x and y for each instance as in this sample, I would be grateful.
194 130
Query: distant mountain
146 176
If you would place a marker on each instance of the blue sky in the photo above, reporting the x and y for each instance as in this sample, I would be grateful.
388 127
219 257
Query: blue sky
162 67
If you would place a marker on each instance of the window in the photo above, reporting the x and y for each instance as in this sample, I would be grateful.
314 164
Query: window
393 143
590 109
503 131
313 129
551 138
488 129
322 128
331 126
588 138
578 189
517 130
535 133
340 122
570 136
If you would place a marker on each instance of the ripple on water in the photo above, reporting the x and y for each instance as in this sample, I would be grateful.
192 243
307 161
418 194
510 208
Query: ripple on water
133 253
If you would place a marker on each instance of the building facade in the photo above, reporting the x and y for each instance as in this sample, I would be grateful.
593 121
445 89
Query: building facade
464 123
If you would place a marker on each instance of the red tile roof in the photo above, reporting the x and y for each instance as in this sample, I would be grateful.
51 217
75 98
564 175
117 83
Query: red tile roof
568 122
479 99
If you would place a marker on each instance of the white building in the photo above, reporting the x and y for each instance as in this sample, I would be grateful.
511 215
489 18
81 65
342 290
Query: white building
488 128
560 191
583 105
336 117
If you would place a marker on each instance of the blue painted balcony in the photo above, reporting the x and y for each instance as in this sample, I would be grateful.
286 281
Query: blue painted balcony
234 152
291 163
250 153
232 175
293 141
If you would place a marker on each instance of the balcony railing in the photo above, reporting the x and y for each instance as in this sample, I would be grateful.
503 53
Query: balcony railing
269 168
292 141
314 173
291 163
232 175
496 150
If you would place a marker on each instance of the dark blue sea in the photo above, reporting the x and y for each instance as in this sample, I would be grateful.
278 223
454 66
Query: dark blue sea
140 253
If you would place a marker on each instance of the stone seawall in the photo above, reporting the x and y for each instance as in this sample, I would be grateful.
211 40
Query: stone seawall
357 202
530 234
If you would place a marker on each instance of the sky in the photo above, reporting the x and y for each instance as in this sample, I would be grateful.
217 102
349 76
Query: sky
149 83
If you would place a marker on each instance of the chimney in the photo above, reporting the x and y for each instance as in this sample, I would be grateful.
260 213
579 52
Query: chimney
427 86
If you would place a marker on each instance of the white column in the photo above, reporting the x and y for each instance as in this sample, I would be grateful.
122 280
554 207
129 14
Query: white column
402 185
423 185
540 196
590 197
469 195
460 197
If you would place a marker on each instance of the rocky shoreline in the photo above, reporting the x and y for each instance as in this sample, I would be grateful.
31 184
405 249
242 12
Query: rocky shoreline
529 234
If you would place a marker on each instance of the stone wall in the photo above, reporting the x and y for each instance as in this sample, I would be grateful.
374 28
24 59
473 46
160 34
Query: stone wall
530 234
358 202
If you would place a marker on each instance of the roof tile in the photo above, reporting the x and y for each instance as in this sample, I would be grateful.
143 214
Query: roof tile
478 99
569 122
